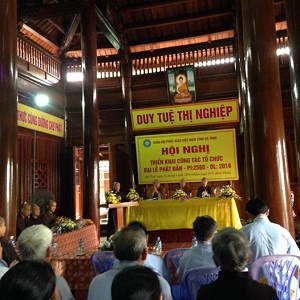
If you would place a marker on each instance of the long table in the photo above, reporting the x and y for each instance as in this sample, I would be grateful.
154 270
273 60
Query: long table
68 242
170 214
77 270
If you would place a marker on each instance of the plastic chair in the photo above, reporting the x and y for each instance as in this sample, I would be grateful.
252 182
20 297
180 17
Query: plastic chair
173 256
194 278
281 271
157 264
171 260
102 261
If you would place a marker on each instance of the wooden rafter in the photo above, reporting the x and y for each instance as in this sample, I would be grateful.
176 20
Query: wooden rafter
70 33
58 27
54 10
153 4
178 20
104 25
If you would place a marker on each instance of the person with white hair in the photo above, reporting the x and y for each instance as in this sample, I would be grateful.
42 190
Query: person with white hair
232 253
35 243
130 250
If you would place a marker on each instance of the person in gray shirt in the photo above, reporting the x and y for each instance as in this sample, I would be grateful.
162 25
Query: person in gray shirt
130 250
200 256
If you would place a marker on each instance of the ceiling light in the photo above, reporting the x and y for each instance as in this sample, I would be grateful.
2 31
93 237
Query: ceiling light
41 99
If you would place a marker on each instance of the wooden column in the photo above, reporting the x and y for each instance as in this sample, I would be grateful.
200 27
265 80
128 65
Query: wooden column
265 112
293 25
126 75
242 89
90 114
8 114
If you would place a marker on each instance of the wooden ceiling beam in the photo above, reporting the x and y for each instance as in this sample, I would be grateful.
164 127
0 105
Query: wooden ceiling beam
178 20
153 4
70 33
185 48
54 10
209 34
107 29
58 27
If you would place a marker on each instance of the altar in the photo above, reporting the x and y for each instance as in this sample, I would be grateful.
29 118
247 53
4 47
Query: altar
173 219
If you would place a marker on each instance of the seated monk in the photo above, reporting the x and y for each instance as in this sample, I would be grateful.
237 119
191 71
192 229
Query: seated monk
156 191
183 95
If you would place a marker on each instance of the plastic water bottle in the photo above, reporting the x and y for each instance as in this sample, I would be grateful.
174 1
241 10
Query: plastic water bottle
59 230
80 223
158 246
80 250
194 242
54 247
11 241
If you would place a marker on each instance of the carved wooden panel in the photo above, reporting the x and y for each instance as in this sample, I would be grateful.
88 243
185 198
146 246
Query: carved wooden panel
40 175
44 151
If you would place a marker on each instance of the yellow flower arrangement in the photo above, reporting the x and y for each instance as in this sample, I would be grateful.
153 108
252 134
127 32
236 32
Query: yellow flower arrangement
64 224
180 195
228 192
111 198
133 195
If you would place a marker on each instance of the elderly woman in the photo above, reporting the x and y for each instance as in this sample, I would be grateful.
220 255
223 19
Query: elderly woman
232 253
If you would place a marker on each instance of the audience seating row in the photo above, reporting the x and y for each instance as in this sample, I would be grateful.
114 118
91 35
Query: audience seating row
102 261
282 272
193 279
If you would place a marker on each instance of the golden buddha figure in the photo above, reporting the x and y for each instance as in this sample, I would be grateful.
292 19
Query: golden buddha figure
182 92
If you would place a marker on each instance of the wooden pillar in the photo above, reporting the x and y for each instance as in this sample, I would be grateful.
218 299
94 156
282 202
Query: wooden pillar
265 112
8 114
126 75
293 26
242 89
90 114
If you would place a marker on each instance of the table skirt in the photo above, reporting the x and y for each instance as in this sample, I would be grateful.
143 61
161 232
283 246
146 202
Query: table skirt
174 214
